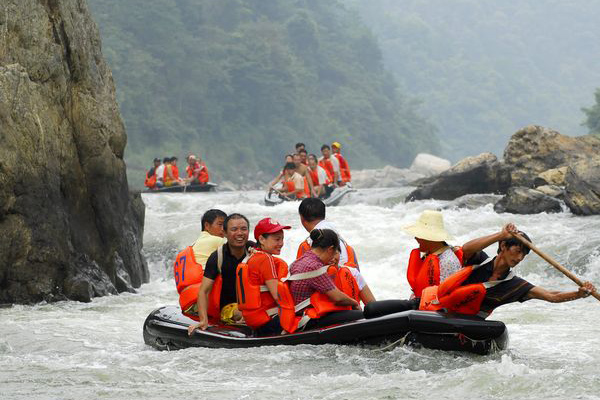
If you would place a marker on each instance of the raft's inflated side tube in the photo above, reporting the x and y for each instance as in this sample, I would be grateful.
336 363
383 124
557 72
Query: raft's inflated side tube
209 186
166 329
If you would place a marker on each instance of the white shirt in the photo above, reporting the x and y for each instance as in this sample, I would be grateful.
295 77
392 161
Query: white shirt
160 170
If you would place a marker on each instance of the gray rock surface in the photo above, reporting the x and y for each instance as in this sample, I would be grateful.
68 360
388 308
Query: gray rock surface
473 201
70 228
535 149
479 174
429 165
582 191
523 200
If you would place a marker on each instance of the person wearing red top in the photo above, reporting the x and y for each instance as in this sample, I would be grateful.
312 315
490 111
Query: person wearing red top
344 167
258 278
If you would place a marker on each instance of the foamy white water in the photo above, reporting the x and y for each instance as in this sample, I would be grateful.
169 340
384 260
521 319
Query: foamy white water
71 350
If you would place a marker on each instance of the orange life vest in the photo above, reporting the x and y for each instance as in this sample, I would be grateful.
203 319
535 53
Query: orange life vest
328 167
295 316
188 278
202 176
150 181
453 297
300 193
352 260
424 272
254 299
175 170
344 168
166 179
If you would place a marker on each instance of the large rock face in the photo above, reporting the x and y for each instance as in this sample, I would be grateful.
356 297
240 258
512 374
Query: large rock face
535 149
69 226
480 174
582 191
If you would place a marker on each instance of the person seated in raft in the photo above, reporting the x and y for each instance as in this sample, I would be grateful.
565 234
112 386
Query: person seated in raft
488 283
303 171
434 260
197 173
275 184
310 297
429 264
150 181
160 172
293 183
211 237
299 147
219 273
303 156
312 216
485 283
344 167
171 172
322 185
258 277
331 165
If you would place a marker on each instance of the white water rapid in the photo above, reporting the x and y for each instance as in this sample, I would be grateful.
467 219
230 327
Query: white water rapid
71 350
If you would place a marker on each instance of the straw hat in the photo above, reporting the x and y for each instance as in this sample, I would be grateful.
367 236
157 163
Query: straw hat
429 226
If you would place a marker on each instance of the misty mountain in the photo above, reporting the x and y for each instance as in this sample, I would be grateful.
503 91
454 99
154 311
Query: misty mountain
241 81
484 69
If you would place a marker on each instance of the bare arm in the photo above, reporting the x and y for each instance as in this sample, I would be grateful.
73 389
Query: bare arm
340 298
272 286
475 245
553 296
202 305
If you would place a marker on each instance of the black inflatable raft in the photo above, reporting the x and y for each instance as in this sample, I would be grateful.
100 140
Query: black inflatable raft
184 189
166 329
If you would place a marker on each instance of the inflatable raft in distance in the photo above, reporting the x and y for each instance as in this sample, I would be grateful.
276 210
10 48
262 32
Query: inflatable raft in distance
272 198
207 187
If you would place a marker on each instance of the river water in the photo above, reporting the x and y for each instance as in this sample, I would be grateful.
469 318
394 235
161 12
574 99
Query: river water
71 350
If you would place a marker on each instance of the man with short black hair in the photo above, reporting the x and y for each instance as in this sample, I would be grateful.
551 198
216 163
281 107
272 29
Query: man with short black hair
233 252
330 164
312 216
300 146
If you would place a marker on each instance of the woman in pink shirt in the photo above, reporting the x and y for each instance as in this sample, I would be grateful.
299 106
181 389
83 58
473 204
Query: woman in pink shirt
325 247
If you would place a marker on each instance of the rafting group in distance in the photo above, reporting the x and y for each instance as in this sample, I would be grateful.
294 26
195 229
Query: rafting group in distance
226 279
165 174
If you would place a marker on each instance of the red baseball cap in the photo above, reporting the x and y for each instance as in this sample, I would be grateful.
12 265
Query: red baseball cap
268 225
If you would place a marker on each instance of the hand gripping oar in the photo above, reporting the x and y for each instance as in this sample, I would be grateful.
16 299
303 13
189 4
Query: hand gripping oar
552 262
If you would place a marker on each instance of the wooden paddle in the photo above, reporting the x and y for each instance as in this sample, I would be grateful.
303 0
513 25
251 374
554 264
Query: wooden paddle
552 262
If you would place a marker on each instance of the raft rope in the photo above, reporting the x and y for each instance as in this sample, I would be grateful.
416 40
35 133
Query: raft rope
393 345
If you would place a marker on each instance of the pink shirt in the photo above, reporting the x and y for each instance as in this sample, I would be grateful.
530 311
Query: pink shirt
303 289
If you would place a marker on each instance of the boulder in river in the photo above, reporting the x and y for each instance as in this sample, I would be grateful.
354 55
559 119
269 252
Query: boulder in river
582 191
479 174
523 200
70 227
535 149
429 165
386 177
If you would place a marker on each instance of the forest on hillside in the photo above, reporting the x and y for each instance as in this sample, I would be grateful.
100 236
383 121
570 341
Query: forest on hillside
241 81
484 69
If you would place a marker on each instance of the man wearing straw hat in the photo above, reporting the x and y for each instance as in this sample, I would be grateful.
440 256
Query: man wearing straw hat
439 261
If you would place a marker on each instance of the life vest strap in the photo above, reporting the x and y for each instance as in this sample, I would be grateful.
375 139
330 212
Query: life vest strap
272 311
491 284
302 305
264 288
306 275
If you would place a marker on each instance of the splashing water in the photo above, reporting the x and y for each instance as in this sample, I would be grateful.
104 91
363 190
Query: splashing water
71 350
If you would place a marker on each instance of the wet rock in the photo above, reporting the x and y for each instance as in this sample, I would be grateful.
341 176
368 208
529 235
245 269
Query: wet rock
473 201
429 165
551 190
582 191
479 174
65 206
522 200
554 176
535 149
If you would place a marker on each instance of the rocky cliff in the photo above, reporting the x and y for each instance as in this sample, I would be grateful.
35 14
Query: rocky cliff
70 228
